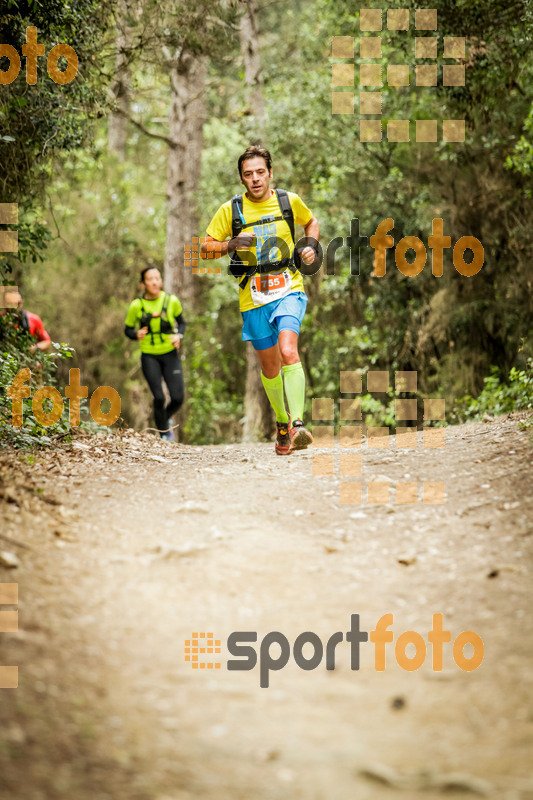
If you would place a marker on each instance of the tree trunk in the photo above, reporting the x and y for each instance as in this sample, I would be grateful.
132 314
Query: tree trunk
187 115
121 88
253 77
258 414
259 419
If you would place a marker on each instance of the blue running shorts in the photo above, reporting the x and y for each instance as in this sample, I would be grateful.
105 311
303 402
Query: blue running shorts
262 325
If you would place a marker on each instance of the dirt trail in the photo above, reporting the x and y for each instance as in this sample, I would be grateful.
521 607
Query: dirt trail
133 544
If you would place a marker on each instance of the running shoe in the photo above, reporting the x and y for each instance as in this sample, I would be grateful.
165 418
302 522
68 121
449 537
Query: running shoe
283 440
299 436
169 435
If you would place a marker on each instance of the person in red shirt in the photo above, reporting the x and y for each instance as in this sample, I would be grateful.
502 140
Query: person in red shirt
27 321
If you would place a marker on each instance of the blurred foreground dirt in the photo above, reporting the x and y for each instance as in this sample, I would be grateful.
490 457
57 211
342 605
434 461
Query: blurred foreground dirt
126 545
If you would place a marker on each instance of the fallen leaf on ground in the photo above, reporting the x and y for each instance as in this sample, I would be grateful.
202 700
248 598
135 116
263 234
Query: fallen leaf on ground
8 560
406 561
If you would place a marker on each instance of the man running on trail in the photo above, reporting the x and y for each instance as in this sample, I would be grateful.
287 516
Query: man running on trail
260 229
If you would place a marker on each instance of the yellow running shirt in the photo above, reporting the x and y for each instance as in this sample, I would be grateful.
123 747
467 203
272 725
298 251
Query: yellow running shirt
220 229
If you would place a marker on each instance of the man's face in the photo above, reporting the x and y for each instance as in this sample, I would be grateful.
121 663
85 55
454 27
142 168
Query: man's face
256 177
153 281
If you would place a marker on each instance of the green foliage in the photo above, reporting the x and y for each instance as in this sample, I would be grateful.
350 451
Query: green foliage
213 412
183 31
449 329
521 159
38 122
15 354
499 397
111 218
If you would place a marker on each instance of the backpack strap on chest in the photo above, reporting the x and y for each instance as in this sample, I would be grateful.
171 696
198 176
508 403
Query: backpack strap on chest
238 223
236 266
163 316
286 209
146 319
237 217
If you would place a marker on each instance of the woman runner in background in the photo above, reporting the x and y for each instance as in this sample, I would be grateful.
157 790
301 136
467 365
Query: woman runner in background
161 326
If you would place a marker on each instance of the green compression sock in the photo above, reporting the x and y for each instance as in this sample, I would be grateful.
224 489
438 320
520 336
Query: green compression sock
274 390
294 379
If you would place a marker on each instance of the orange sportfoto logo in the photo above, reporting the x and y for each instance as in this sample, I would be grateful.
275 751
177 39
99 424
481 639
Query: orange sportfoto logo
201 644
32 49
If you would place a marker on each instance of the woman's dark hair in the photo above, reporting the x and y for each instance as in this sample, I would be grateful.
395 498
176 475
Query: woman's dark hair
255 151
147 269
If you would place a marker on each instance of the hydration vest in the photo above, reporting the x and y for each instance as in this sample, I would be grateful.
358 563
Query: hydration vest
147 317
241 270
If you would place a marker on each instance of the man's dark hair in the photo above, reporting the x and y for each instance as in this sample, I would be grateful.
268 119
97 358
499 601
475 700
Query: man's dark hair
147 269
255 151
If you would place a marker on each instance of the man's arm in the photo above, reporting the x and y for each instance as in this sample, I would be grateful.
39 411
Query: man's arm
211 248
312 231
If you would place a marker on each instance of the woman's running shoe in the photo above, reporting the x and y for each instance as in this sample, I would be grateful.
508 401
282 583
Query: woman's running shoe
168 435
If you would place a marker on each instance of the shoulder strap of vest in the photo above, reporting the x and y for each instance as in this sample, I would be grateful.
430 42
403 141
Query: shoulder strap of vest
143 312
25 322
286 209
237 217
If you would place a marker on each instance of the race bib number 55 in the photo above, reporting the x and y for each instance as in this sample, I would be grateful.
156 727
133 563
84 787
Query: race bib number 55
266 288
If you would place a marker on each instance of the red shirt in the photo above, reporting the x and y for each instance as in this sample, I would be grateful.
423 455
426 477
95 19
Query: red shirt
36 327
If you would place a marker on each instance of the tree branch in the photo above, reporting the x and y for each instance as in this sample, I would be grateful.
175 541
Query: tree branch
152 134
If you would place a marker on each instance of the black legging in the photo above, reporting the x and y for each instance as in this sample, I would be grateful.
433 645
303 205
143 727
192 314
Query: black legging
168 367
